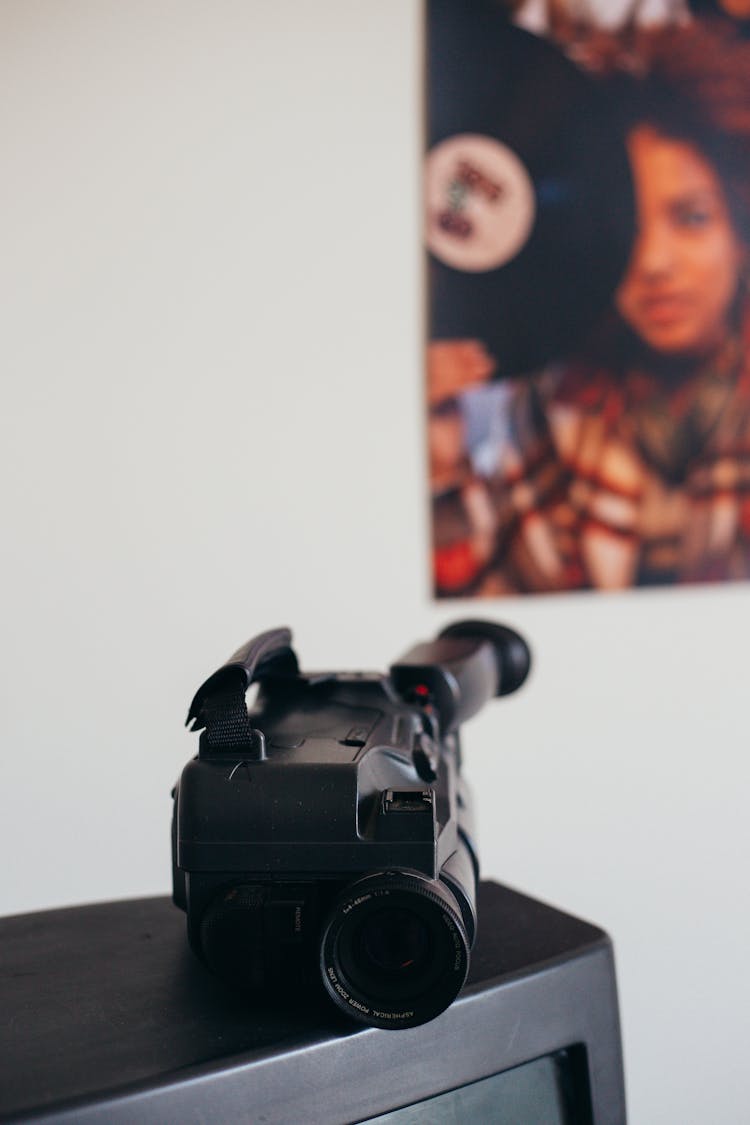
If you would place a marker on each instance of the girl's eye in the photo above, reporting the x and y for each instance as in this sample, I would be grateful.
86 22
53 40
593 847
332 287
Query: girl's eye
691 216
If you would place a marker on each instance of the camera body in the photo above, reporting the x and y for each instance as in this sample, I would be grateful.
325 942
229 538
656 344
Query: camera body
326 833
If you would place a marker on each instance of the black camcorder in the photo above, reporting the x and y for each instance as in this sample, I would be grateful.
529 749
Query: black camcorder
325 832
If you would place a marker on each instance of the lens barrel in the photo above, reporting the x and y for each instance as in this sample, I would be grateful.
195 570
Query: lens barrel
394 951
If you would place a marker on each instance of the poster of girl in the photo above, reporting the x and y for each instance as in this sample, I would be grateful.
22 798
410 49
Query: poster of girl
621 459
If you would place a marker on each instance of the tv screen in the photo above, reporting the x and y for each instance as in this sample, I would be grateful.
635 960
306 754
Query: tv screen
552 1090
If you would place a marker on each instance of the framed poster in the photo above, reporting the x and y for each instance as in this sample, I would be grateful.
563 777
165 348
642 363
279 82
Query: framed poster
587 216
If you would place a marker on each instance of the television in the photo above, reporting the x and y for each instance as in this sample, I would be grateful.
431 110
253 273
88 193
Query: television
108 1017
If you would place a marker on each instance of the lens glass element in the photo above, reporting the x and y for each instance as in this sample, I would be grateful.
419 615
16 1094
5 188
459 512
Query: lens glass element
393 943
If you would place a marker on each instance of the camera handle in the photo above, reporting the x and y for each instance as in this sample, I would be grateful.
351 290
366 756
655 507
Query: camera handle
219 703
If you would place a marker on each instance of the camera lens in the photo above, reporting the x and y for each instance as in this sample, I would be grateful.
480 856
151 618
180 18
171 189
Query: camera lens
394 951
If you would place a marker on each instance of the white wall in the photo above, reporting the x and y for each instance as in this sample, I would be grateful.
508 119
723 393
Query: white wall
211 347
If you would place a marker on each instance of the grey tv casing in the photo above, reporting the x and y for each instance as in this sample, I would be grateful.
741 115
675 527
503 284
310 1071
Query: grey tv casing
105 1016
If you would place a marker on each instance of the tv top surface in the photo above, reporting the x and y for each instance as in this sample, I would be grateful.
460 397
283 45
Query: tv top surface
108 1017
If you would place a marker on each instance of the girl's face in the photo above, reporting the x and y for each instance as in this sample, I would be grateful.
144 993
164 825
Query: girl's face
685 266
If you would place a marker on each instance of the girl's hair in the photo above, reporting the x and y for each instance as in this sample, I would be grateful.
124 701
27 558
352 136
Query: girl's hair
696 88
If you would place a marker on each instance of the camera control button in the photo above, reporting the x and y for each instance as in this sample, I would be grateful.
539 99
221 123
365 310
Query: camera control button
425 754
285 741
357 736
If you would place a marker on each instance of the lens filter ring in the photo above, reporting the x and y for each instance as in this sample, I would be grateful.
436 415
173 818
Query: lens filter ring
394 952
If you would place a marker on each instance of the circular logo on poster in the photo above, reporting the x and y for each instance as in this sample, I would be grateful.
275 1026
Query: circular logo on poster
479 201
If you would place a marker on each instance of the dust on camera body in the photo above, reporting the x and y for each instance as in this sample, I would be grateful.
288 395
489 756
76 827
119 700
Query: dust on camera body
325 834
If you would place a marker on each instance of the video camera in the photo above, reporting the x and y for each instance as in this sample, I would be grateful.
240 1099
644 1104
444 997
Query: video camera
325 834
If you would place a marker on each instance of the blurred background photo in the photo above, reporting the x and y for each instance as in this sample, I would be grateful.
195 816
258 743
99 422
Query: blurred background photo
587 223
